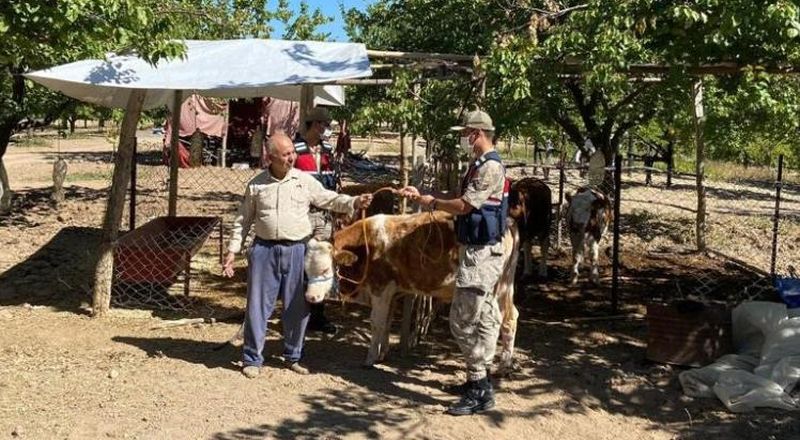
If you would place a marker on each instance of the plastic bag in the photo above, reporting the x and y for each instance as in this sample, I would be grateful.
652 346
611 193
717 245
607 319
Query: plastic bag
785 373
752 321
783 341
699 382
741 391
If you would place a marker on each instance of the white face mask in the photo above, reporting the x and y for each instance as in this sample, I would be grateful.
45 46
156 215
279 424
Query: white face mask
327 133
465 145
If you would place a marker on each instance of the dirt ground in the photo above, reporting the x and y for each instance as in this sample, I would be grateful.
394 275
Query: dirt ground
65 375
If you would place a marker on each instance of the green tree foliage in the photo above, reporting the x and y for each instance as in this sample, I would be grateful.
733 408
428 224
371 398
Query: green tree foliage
36 34
526 45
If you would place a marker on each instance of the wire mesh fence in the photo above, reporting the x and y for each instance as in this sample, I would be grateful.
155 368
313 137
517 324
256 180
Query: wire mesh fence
659 227
174 263
658 232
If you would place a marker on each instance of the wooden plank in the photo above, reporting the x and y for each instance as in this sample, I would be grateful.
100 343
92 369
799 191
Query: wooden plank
306 104
418 55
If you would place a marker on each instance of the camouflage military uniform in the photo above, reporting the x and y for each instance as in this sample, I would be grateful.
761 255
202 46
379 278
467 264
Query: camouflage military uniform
474 314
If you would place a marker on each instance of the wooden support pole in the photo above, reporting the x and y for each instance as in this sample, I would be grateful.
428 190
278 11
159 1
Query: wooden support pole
223 155
132 204
104 271
418 55
306 104
403 169
700 167
174 142
406 326
615 244
776 219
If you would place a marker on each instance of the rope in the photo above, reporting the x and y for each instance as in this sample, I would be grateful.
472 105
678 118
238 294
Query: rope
366 245
365 274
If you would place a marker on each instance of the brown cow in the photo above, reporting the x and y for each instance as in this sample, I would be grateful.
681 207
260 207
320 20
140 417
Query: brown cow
415 254
530 204
588 215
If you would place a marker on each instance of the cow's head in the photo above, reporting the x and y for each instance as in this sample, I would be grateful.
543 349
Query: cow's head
516 205
319 270
579 209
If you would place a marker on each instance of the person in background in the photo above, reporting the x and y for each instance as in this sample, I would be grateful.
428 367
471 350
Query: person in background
315 158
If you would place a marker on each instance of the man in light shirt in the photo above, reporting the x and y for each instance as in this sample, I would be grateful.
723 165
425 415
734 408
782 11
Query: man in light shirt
276 203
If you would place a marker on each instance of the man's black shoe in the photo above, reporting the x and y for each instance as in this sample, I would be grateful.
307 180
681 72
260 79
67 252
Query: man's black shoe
476 400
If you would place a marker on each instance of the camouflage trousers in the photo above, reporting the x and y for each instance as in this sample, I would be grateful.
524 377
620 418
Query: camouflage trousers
321 225
475 314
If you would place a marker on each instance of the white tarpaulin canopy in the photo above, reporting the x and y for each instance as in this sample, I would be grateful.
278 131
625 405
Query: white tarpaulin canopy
228 68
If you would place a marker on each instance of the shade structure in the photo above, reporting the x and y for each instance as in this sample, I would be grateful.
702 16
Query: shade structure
244 68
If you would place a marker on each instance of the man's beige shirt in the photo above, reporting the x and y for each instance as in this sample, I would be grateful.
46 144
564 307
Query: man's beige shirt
278 209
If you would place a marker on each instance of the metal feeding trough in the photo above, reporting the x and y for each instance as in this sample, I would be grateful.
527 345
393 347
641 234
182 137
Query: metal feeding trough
162 248
688 333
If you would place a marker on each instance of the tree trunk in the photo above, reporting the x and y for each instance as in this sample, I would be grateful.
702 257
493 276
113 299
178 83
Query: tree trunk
104 270
7 126
5 189
72 122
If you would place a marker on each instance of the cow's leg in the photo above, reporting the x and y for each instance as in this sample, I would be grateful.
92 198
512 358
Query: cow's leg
527 258
577 254
544 250
508 329
380 319
594 245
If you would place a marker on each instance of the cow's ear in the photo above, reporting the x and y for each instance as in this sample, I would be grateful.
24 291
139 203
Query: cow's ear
344 258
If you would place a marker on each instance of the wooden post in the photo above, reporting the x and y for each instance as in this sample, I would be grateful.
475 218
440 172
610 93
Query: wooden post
670 162
306 104
615 244
403 168
223 155
132 202
196 149
406 326
700 167
776 219
104 271
173 155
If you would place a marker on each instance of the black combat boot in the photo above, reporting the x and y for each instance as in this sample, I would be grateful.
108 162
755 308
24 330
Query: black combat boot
479 398
459 389
318 322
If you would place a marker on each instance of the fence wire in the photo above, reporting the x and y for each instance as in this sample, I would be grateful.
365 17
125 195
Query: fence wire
174 264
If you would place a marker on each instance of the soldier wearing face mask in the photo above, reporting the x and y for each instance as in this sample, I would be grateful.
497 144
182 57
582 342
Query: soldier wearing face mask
480 211
315 157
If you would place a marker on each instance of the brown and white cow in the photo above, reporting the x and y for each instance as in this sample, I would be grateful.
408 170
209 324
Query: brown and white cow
588 216
415 254
530 204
